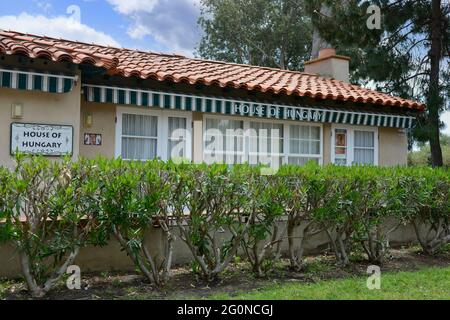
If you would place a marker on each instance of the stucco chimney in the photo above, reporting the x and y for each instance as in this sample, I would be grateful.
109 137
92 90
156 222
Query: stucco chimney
330 65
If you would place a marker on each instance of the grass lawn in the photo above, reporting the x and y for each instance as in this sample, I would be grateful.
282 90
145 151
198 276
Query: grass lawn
407 274
429 283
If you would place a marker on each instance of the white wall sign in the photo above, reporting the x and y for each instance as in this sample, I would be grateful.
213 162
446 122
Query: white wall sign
43 139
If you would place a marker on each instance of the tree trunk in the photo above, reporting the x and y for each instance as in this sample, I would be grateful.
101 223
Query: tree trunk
318 42
434 101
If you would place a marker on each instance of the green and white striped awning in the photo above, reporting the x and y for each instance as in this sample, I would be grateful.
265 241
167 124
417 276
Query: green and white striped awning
46 82
126 96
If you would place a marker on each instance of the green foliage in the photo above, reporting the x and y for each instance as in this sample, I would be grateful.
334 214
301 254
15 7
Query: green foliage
408 56
303 196
6 205
51 209
425 196
262 243
208 201
258 32
133 198
422 156
47 210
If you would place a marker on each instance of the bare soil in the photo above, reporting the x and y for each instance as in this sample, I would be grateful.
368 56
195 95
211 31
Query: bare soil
237 279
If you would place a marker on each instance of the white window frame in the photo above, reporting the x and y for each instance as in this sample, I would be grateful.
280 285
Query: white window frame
163 128
286 129
242 153
351 141
300 155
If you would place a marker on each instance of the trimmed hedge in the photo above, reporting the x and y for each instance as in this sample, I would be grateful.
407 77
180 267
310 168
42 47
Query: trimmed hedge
50 210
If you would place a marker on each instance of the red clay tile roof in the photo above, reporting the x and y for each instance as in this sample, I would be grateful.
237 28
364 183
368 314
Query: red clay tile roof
176 68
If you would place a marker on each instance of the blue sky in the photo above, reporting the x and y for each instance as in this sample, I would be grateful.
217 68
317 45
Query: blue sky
157 25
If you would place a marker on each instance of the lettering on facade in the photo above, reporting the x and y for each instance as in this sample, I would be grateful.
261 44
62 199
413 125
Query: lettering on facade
280 112
49 140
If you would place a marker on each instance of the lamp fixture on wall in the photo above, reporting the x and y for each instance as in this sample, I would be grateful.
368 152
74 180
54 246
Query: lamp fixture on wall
88 120
17 111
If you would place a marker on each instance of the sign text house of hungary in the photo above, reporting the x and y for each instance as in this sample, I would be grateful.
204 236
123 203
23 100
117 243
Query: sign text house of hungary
43 139
275 112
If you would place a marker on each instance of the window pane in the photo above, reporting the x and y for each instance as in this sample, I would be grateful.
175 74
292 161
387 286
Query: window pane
315 133
364 139
138 148
139 140
304 140
340 150
305 132
263 137
364 156
294 147
294 132
177 136
176 149
176 123
341 138
301 160
223 125
304 147
315 147
364 147
224 141
265 143
139 125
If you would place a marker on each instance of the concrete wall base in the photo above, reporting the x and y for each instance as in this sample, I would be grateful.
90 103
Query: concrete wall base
112 258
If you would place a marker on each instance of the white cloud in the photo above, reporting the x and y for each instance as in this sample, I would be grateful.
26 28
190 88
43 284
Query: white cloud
133 6
58 27
44 6
138 31
173 24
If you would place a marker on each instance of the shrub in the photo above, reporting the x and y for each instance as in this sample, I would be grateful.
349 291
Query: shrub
51 209
425 195
374 203
48 215
208 202
262 243
134 197
6 204
337 191
302 195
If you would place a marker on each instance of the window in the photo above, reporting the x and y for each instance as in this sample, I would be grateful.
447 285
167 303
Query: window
229 149
354 145
269 142
139 136
149 134
340 148
364 147
304 144
177 138
265 142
